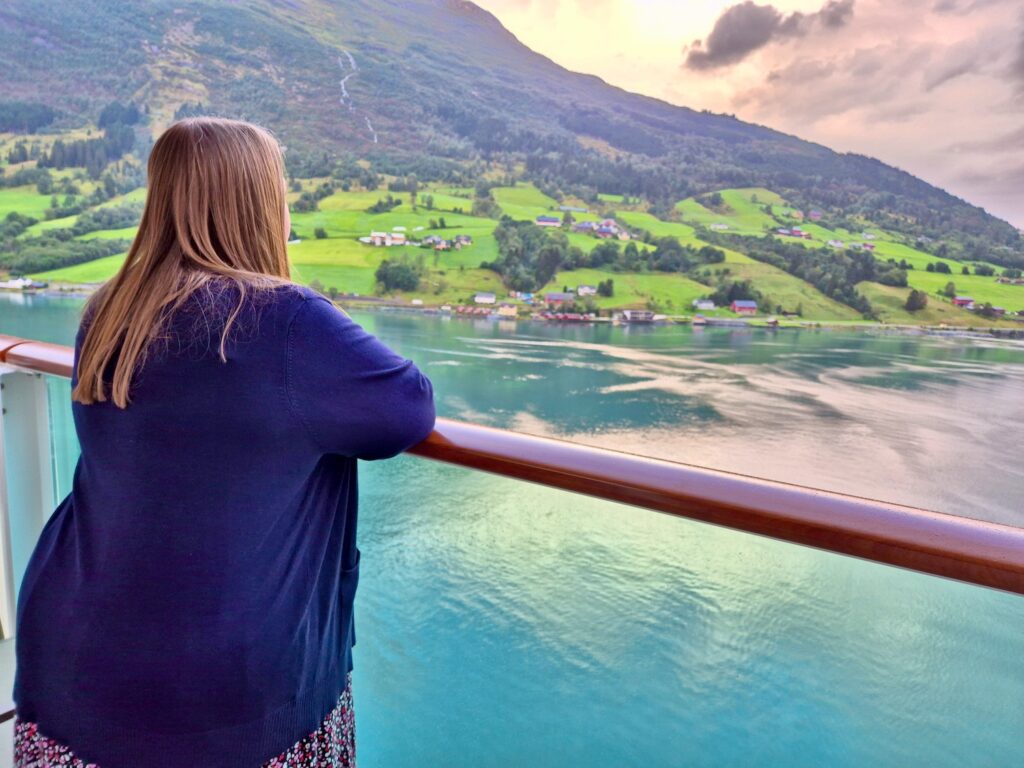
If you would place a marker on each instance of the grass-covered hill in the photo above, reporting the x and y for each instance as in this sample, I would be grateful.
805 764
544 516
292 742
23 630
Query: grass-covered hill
428 86
665 267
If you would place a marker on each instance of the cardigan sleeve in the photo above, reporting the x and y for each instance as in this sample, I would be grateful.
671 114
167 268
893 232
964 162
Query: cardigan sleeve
354 395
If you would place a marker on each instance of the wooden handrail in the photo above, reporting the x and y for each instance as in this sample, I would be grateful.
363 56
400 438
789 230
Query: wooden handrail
973 551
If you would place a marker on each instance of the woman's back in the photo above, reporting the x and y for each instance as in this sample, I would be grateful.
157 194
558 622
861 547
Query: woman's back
203 568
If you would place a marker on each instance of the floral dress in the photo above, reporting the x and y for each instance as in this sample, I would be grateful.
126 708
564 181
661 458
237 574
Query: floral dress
332 745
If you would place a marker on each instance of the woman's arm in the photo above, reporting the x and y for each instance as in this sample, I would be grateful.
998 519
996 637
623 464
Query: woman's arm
354 395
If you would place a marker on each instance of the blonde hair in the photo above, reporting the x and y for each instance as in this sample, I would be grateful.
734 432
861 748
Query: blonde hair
215 213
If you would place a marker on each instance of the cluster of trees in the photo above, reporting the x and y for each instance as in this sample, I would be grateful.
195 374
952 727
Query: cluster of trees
916 301
310 200
940 267
530 256
112 217
401 274
383 205
116 121
729 291
39 254
24 117
58 248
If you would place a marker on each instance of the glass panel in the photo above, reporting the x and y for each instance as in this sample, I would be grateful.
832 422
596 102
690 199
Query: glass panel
63 441
502 623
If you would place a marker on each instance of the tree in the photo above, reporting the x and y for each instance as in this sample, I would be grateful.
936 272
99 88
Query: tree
414 188
984 270
966 270
333 292
916 300
943 268
606 288
950 290
320 233
317 286
568 220
399 275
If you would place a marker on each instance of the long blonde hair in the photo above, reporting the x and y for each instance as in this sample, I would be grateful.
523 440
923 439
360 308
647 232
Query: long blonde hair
215 212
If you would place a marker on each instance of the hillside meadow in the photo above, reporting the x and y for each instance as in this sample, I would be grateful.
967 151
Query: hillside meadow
337 260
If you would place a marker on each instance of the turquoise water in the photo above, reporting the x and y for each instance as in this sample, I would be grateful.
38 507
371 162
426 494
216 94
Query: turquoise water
502 624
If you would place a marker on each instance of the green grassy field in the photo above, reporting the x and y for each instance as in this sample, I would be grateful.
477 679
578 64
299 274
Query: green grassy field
24 200
341 262
981 289
782 288
524 202
742 213
91 272
672 293
889 301
126 233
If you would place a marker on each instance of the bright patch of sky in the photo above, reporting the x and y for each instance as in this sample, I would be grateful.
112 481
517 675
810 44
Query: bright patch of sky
935 87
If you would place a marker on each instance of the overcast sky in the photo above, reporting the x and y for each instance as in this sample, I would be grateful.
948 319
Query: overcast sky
935 87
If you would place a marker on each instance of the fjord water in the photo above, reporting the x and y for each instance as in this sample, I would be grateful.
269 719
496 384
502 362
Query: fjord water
504 624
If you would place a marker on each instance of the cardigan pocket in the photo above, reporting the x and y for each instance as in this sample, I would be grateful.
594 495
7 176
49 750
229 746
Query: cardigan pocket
349 583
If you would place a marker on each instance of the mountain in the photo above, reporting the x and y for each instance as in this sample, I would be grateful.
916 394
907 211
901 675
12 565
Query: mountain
426 84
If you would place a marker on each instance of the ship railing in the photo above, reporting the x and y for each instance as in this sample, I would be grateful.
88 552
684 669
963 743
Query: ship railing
946 545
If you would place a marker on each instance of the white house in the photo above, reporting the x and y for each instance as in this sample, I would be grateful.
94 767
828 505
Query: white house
586 290
17 284
485 298
703 304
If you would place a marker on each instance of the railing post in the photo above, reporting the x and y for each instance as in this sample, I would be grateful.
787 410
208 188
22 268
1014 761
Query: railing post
26 480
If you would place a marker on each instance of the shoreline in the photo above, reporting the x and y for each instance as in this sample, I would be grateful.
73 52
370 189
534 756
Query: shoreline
375 304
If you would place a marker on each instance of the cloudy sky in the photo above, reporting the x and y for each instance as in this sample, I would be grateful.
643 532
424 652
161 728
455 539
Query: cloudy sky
932 86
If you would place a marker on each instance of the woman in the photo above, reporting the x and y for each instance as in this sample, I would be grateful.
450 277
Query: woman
190 603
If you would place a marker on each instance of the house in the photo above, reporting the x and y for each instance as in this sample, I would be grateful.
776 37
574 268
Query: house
637 316
868 246
17 284
837 243
431 240
557 297
719 226
548 221
783 231
586 290
572 209
999 311
463 240
385 239
586 227
507 311
703 304
815 215
744 307
485 298
963 301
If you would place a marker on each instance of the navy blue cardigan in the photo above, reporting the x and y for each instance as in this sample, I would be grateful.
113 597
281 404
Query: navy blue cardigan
190 602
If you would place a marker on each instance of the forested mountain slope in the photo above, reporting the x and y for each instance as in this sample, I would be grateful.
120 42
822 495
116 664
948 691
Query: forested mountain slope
422 84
